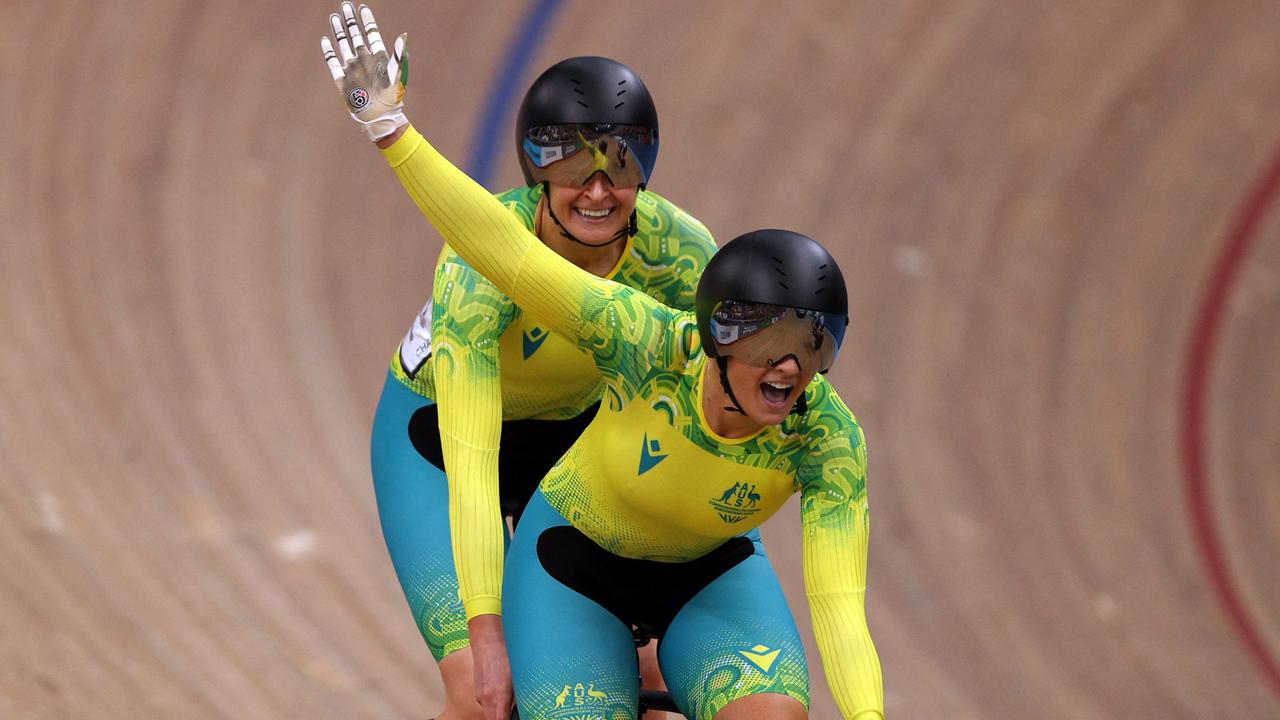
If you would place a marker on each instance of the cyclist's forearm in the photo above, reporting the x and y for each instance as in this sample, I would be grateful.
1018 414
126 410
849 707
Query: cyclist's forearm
467 322
834 522
475 515
470 434
849 658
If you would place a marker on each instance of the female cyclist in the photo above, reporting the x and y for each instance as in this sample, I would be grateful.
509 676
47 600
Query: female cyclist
506 395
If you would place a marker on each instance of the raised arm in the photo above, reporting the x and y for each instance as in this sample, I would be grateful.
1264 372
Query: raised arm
834 520
569 300
497 245
610 321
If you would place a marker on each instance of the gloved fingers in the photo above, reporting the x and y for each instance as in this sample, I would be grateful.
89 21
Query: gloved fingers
371 83
371 30
353 26
402 59
344 46
331 59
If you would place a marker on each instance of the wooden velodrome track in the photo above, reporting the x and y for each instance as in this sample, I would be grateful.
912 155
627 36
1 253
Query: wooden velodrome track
1059 228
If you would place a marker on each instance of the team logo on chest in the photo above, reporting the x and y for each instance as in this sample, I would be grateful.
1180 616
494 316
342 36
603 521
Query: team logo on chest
738 502
650 455
532 339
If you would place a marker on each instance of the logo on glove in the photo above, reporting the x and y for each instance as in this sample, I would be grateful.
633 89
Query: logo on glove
358 98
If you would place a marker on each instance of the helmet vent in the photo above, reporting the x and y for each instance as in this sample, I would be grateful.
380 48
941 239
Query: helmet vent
578 90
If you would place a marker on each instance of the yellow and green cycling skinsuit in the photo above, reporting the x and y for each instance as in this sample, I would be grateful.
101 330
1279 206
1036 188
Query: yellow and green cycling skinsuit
649 478
510 379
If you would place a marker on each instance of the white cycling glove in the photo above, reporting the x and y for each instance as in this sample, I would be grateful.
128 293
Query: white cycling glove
371 82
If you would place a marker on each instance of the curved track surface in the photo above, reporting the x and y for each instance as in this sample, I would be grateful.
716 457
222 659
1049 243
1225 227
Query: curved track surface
1062 251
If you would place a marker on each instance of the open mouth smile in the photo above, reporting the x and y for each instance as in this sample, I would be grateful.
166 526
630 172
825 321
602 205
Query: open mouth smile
776 394
593 215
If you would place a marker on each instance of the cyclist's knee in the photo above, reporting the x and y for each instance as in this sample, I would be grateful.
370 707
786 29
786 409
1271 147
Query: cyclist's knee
461 712
457 673
775 706
460 703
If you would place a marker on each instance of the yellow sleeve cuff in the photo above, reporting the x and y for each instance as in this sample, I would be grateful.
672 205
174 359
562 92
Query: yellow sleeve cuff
406 146
483 605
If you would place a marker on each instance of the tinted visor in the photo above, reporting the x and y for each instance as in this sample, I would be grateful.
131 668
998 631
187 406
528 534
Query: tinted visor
570 154
761 335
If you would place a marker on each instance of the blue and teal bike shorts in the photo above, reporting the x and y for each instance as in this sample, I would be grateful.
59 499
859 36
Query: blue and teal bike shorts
412 493
570 609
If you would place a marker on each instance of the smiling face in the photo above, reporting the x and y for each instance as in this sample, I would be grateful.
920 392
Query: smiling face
767 394
596 212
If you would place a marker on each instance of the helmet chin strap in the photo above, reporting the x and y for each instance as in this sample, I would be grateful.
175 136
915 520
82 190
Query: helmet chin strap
622 234
802 405
723 363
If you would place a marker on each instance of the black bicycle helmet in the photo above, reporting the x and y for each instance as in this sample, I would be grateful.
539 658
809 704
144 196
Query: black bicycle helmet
584 91
771 267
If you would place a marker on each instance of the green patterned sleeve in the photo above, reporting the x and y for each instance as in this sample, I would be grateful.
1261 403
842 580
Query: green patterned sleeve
696 248
674 248
469 317
834 518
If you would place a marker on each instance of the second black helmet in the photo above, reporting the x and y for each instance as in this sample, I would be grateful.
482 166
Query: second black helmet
769 294
591 104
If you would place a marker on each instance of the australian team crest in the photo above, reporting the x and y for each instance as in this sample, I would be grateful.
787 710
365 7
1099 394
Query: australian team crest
738 502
